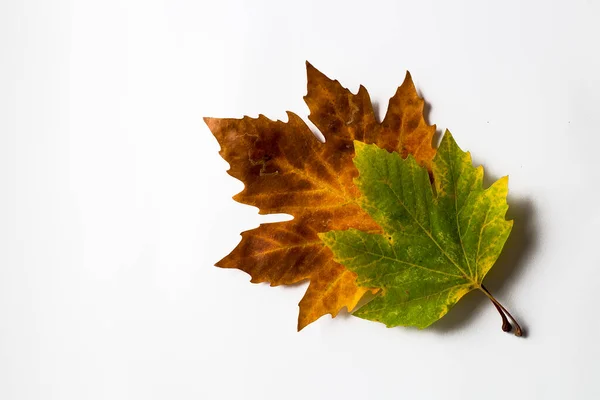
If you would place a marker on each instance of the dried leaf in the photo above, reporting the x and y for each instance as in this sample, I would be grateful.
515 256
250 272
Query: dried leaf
286 169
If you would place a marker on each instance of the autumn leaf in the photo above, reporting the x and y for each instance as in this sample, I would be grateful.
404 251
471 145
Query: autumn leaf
286 169
439 241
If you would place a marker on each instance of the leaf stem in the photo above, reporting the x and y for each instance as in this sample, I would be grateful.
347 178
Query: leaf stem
506 326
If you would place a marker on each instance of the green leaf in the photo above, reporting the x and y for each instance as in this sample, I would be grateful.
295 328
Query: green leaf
440 240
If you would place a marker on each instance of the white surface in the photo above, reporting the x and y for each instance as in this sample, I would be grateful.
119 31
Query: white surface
115 203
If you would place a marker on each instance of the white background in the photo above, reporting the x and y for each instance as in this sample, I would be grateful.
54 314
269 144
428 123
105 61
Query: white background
115 203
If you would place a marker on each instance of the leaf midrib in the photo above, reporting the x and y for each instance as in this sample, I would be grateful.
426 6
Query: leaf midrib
383 256
462 245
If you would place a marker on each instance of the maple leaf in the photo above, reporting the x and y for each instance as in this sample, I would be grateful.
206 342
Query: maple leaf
438 242
286 169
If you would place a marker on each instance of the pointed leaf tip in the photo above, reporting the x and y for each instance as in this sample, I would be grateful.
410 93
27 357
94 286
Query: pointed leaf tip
358 145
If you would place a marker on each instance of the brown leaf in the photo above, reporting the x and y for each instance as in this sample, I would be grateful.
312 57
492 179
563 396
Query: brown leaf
286 169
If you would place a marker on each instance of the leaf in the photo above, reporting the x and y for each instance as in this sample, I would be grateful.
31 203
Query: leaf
286 169
438 243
